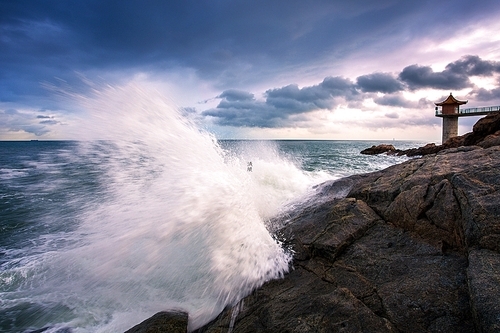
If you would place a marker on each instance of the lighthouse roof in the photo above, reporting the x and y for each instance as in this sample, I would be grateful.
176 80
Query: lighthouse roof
451 100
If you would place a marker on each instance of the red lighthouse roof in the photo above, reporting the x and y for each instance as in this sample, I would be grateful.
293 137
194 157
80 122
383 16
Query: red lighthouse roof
451 100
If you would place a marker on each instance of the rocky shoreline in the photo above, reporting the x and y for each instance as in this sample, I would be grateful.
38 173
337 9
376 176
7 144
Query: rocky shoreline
412 248
485 134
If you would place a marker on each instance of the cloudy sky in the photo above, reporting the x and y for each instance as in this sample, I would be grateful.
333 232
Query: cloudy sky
336 69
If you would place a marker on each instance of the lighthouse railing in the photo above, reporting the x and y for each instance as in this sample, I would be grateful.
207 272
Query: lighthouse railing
470 111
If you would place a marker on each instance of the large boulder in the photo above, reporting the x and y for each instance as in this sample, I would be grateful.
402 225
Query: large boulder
429 148
451 197
482 128
413 248
375 150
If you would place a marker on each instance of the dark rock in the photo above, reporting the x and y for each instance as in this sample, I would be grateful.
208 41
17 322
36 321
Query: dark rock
171 322
310 299
327 229
429 148
483 274
490 140
375 150
441 196
482 128
456 141
413 248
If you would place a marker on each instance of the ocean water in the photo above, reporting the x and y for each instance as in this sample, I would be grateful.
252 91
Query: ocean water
98 235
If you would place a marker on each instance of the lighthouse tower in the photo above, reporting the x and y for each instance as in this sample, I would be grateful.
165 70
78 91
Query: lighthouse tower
449 111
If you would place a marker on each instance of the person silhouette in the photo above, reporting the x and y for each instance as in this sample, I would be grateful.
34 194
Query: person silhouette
249 166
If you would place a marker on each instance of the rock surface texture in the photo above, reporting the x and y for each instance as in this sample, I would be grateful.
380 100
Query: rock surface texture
171 322
375 150
413 248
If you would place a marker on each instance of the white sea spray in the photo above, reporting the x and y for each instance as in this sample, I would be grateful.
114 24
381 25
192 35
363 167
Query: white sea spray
147 212
177 223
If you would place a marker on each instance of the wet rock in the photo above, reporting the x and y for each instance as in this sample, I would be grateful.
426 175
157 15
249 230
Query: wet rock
310 299
429 148
375 150
413 248
172 322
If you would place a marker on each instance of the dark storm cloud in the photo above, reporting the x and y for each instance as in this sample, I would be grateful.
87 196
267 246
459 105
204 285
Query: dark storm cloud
226 41
245 114
49 122
472 65
282 105
322 96
236 95
454 76
239 108
379 82
418 77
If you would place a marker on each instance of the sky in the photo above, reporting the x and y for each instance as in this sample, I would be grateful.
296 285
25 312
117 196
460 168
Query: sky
318 69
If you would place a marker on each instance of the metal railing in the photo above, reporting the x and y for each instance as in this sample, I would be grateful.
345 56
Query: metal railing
471 111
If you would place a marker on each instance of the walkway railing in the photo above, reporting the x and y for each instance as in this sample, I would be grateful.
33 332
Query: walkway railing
470 111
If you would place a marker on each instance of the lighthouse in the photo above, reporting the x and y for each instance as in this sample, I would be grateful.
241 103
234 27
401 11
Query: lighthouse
449 110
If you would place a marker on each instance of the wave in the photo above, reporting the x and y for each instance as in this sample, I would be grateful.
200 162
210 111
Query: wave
176 220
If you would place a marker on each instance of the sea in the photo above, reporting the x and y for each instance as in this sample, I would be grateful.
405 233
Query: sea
97 235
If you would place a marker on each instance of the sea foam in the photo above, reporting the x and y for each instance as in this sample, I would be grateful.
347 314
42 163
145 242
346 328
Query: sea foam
178 221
